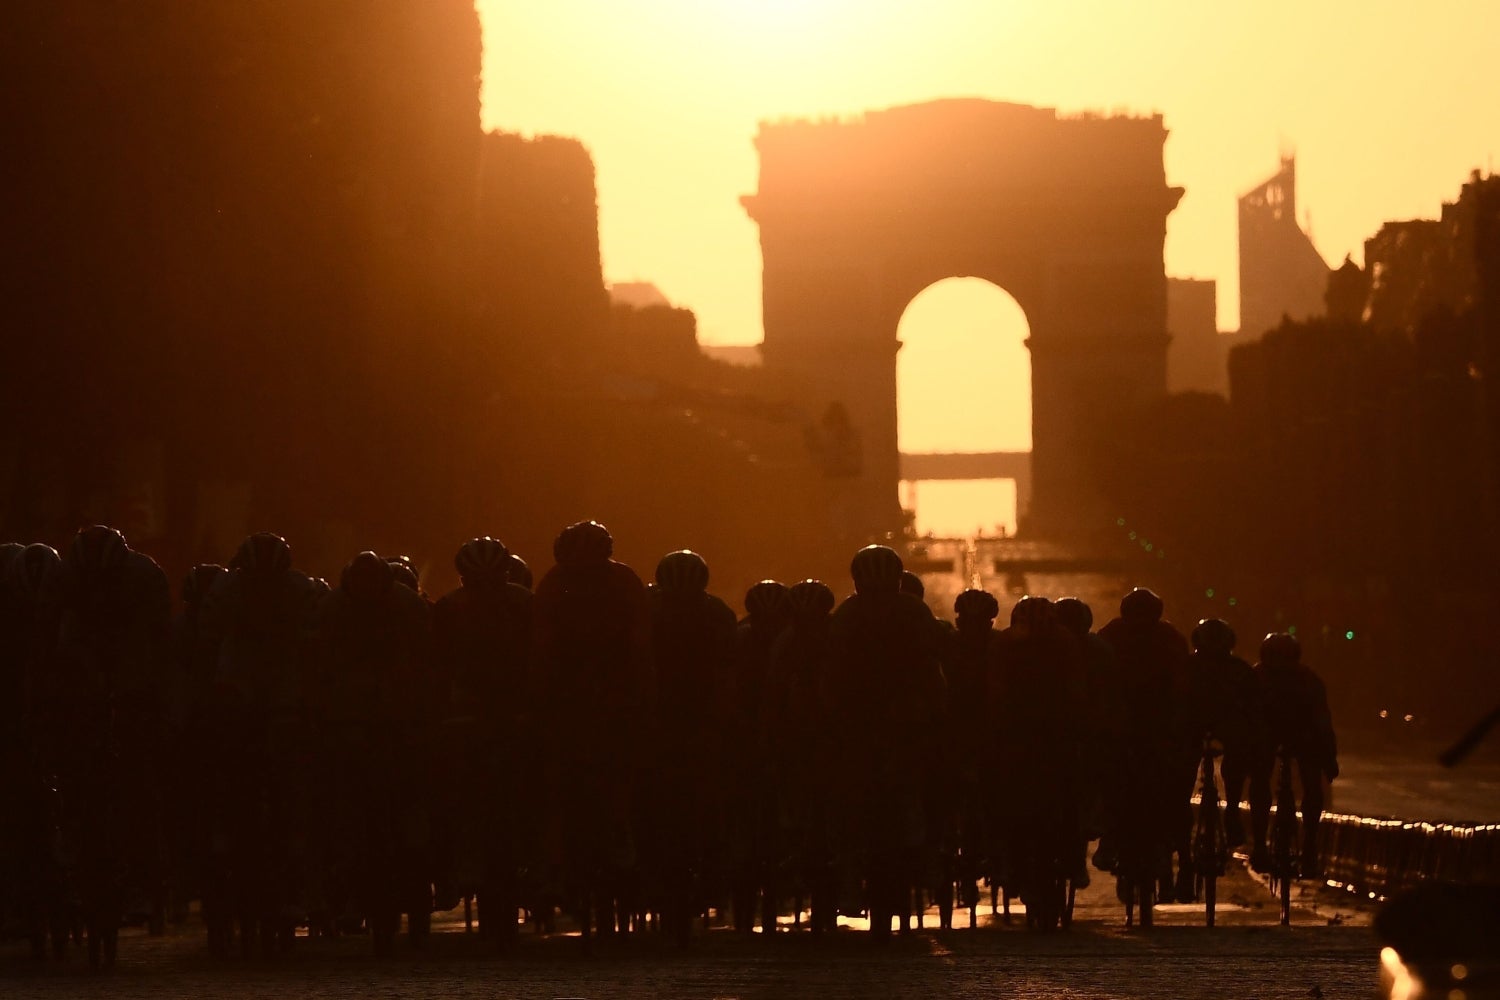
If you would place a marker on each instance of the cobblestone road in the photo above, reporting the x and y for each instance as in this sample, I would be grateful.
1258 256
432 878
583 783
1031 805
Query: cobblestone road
1329 947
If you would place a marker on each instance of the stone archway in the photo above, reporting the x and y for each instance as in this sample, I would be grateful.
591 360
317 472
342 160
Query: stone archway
1068 214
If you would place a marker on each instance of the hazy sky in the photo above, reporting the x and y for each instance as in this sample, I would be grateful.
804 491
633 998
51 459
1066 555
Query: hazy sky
1388 105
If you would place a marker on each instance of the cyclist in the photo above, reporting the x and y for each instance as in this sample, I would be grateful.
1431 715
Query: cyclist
692 636
1297 719
887 683
970 666
482 653
1151 666
1039 694
754 846
518 572
801 745
376 636
1224 699
1099 731
32 869
593 655
111 649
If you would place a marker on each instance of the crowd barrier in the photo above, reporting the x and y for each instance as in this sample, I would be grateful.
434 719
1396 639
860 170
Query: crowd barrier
1381 857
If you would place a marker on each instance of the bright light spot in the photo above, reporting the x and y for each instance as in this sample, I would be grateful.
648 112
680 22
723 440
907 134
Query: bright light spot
1407 717
1349 634
1403 986
1132 536
1233 601
1120 521
1209 592
1384 714
957 508
963 374
1460 972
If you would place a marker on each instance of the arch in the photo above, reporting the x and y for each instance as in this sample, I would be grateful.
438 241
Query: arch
963 406
1067 214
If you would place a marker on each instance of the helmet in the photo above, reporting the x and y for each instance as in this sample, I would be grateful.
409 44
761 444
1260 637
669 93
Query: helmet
876 569
404 573
1280 647
912 584
1213 635
481 560
682 572
583 543
517 572
766 599
197 582
1074 615
810 599
1141 605
978 605
31 566
367 576
1033 613
264 553
97 549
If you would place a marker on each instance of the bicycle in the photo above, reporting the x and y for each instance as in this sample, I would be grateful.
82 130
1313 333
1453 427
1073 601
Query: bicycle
1285 832
1210 847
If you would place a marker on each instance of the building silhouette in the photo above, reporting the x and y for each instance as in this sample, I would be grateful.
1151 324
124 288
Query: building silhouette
1281 272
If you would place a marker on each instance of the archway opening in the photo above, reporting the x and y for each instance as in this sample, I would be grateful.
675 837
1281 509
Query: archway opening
963 399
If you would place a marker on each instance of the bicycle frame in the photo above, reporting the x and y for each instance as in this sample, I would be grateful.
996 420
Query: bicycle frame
1284 836
1210 843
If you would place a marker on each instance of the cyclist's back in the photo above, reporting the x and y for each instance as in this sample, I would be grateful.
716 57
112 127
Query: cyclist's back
1157 756
1297 722
482 639
592 631
692 637
1039 707
593 658
1224 700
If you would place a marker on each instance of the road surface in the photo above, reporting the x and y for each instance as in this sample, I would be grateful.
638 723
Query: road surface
1329 948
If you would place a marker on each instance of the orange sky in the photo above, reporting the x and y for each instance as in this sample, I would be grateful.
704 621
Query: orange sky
1388 106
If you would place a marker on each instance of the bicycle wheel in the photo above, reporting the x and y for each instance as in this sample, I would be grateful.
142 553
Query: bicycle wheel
1286 900
1208 849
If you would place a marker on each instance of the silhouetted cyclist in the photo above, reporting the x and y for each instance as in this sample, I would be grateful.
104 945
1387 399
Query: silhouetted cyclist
593 650
111 657
802 744
692 635
887 683
482 635
406 574
1224 699
260 620
754 849
33 873
1297 718
376 639
1099 727
1151 658
1038 718
970 666
518 572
